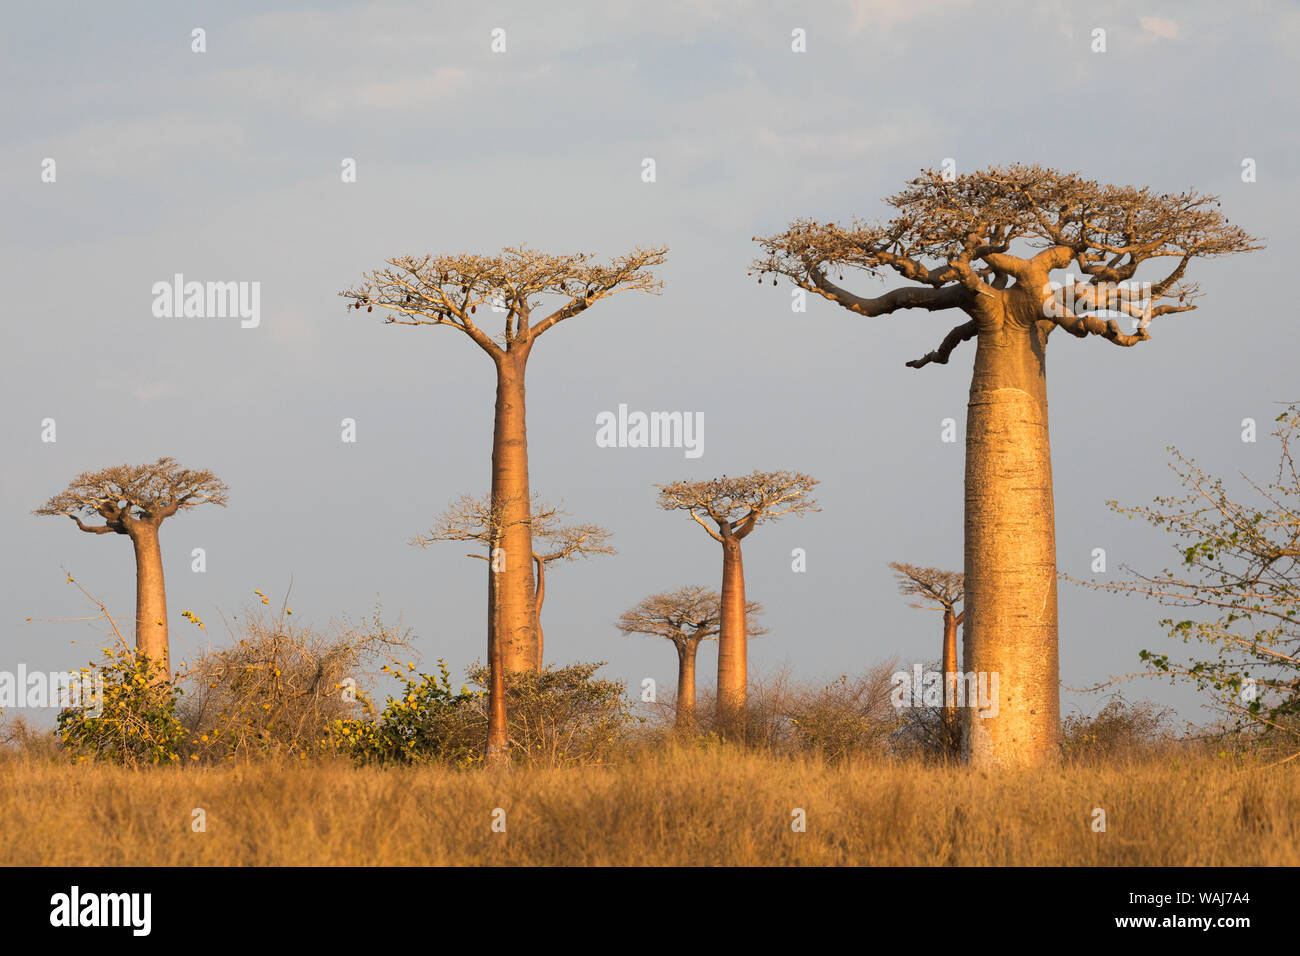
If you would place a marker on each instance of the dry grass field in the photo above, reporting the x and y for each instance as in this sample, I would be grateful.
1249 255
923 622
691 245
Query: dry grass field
676 806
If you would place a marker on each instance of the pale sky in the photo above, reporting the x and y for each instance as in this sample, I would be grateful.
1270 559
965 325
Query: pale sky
225 166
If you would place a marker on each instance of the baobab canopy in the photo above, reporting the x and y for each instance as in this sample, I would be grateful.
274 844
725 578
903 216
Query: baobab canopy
448 289
959 241
123 494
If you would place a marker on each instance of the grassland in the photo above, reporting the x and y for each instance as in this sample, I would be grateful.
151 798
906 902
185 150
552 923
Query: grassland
679 806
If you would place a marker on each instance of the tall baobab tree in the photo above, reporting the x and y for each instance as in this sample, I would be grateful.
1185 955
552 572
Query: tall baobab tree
135 500
686 617
943 590
729 509
986 244
448 290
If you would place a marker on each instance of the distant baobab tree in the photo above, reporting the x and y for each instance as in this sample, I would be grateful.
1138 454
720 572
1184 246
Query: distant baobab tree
448 290
469 519
943 590
135 500
686 617
729 509
563 543
986 244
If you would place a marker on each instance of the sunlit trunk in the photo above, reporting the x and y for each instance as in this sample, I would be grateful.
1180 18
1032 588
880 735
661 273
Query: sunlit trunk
1010 566
513 563
686 651
733 673
150 599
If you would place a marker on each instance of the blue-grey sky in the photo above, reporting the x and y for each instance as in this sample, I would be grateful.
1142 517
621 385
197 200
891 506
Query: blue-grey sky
225 166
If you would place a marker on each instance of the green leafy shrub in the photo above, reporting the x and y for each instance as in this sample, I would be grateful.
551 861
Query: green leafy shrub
558 716
425 722
137 720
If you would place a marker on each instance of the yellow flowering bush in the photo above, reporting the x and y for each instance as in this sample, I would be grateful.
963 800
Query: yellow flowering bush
136 720
425 721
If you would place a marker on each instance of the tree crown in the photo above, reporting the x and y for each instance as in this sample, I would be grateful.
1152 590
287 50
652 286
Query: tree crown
127 496
953 237
448 290
686 614
737 505
471 518
943 588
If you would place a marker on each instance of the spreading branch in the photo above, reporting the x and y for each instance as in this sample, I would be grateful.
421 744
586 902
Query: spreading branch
516 284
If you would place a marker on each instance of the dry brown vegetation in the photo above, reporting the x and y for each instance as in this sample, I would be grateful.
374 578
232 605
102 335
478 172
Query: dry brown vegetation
670 806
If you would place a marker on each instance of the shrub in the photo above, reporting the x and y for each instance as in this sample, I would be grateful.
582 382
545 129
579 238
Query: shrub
1119 728
558 716
847 717
425 722
137 722
18 737
281 686
563 715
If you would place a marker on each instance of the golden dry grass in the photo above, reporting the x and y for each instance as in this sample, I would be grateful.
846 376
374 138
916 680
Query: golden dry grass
673 807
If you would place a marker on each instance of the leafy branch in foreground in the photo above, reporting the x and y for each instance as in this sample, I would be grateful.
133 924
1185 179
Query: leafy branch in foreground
1240 569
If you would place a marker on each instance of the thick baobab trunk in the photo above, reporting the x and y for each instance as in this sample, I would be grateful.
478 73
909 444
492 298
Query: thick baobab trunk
515 612
150 599
1010 569
733 669
686 651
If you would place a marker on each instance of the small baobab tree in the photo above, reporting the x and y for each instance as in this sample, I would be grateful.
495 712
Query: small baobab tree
986 244
470 519
729 509
686 617
943 590
135 500
561 543
476 519
448 290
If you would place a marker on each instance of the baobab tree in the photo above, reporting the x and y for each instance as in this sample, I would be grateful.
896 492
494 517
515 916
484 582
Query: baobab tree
729 509
986 244
934 588
135 500
448 290
686 617
563 543
470 519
